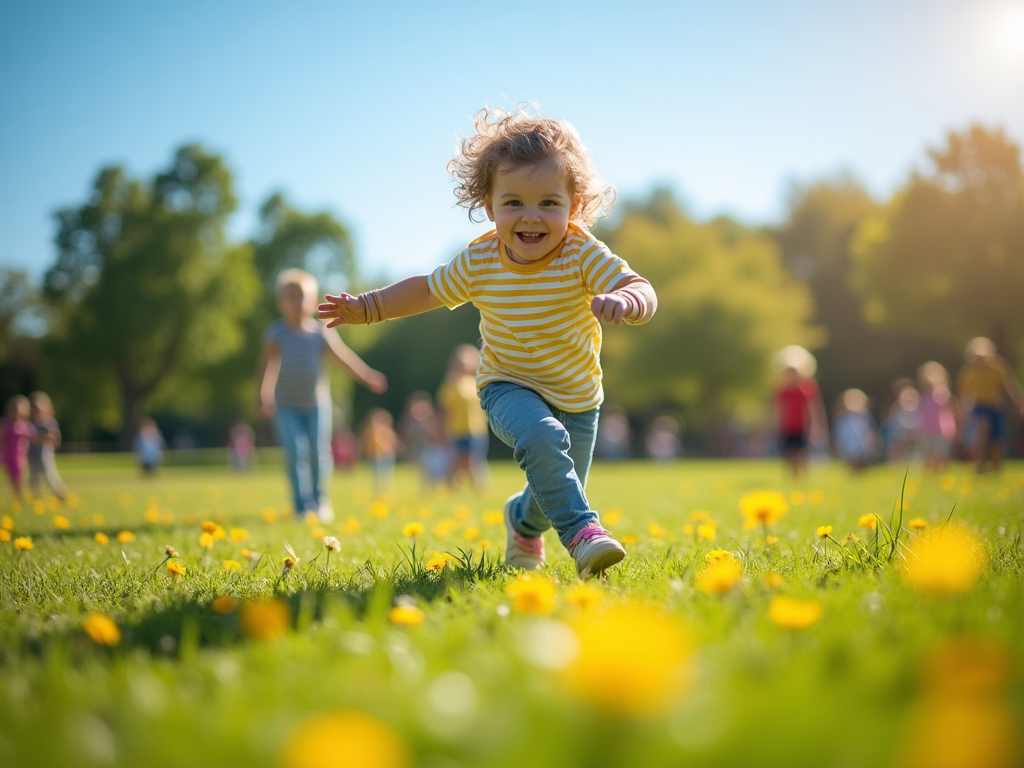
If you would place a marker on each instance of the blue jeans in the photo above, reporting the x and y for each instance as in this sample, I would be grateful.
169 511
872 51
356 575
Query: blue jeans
554 448
305 436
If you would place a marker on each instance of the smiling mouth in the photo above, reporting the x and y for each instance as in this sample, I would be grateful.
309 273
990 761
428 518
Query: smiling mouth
530 238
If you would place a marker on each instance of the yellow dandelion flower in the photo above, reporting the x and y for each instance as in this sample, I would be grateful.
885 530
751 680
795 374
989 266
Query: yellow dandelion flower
794 614
152 516
917 524
583 596
238 534
531 594
629 539
824 531
345 739
762 508
249 555
718 554
410 530
688 529
71 499
264 619
631 659
350 526
232 565
870 522
655 530
269 515
462 513
720 576
380 510
175 569
484 544
224 604
101 629
947 482
5 535
771 540
947 561
98 520
101 538
492 517
700 516
445 528
332 543
7 523
773 580
611 516
125 537
815 497
439 561
471 534
23 543
406 615
38 507
61 523
318 532
706 531
206 540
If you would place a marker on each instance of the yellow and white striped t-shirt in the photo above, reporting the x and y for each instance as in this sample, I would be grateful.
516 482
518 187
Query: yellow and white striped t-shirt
535 319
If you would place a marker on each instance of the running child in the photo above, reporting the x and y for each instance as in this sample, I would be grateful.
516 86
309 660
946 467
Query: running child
543 286
42 459
293 389
981 385
16 435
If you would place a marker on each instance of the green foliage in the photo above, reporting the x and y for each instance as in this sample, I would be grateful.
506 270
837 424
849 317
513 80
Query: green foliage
146 289
725 306
21 323
945 259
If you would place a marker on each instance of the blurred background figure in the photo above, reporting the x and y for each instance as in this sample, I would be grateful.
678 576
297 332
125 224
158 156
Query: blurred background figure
42 458
854 431
800 413
344 448
15 436
613 434
663 439
422 438
463 419
380 447
981 385
149 446
241 447
902 422
938 421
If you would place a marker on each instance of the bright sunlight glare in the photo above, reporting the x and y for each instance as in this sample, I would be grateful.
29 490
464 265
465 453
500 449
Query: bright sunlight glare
1011 30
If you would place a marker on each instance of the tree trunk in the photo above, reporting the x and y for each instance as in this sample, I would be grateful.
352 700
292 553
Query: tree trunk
130 412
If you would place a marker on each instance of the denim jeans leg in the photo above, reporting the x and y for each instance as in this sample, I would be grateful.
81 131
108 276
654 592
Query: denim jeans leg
321 463
294 440
548 444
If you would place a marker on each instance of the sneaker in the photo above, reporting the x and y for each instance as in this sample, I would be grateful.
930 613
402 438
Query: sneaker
526 552
594 550
325 512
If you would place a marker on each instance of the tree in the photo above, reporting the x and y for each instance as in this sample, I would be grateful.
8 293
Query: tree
147 290
21 325
726 306
945 259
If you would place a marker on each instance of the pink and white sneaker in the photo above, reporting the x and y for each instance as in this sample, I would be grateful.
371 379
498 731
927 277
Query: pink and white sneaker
594 550
526 552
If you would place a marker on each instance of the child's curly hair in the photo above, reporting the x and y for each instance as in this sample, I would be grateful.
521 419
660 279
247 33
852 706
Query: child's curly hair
518 138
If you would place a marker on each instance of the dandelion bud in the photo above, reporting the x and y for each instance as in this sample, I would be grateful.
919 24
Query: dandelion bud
289 563
171 551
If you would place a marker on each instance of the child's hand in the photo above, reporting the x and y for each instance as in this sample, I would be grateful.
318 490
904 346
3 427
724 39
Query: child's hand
344 309
266 408
377 382
609 307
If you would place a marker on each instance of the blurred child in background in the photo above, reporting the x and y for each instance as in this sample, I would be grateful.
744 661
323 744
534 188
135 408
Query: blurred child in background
981 385
380 448
903 422
42 460
854 431
241 447
149 446
464 421
16 436
938 422
543 286
423 440
293 388
800 413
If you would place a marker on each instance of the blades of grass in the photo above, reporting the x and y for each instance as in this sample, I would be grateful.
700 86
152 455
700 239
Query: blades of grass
949 517
899 522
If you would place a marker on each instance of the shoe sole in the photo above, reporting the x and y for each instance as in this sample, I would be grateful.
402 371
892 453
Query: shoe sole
601 561
531 564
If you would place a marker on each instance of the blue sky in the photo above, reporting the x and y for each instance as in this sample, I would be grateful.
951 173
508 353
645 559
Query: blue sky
355 107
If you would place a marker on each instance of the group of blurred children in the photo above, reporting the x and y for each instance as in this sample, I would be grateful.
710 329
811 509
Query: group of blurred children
29 437
929 420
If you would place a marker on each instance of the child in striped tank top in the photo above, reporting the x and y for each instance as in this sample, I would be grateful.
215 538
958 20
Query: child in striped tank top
543 285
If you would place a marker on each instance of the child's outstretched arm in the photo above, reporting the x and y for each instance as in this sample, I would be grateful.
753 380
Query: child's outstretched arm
411 296
266 378
373 380
632 300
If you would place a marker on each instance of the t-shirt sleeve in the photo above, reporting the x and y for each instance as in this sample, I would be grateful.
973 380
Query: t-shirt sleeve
450 282
271 332
601 268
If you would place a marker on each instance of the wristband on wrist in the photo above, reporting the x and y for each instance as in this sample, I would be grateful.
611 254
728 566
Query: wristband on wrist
373 307
637 305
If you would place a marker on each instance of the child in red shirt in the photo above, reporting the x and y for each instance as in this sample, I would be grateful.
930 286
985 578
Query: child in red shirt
799 410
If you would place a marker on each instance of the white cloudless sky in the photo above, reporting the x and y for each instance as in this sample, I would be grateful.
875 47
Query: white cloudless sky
355 107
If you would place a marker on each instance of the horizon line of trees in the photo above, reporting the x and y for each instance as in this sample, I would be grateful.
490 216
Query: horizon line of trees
149 307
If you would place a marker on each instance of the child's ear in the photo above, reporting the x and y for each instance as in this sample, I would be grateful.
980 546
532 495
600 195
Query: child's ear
488 208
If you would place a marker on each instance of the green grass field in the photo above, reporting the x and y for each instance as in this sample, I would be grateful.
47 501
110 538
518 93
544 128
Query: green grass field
896 654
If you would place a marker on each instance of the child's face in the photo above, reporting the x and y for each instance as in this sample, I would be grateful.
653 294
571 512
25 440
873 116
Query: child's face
294 304
530 206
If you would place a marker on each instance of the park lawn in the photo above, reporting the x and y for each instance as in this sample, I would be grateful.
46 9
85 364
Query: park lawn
649 667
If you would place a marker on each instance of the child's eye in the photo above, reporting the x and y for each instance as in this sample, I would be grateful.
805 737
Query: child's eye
513 203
